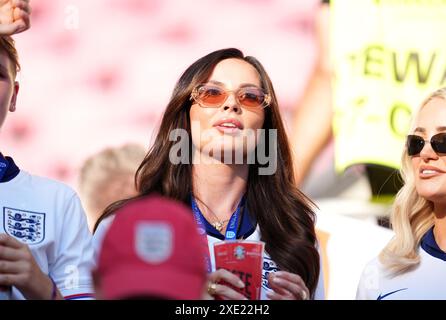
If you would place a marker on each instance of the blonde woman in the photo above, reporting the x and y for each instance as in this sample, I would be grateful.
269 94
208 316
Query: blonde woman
413 264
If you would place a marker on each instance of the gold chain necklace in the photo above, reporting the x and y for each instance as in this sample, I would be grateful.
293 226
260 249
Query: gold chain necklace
219 224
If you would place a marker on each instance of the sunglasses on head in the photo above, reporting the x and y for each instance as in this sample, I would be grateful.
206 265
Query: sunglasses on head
213 96
416 143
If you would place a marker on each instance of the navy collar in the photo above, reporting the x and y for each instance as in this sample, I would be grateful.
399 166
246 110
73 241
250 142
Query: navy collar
246 228
429 245
12 170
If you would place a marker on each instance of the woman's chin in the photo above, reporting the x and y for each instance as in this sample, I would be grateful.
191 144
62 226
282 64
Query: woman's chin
433 195
226 153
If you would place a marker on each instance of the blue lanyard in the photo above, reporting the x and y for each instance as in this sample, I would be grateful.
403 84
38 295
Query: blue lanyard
231 230
3 167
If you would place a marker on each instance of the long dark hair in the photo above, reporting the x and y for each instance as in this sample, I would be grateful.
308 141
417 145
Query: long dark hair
284 214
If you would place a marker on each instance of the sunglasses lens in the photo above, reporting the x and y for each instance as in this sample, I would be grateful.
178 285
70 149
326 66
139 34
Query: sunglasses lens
251 97
414 145
438 142
210 96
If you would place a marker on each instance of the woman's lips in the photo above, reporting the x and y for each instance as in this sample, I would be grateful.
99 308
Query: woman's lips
427 172
228 126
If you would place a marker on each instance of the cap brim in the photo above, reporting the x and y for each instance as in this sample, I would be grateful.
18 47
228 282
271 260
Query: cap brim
160 283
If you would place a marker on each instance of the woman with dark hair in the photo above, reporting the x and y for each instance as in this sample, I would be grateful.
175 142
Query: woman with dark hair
224 106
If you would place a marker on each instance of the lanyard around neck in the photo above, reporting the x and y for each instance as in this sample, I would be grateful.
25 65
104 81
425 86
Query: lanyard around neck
231 230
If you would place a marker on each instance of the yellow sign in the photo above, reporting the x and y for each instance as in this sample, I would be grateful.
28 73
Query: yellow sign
388 55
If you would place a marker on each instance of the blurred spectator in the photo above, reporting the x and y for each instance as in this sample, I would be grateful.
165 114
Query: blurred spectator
316 106
369 73
152 250
108 176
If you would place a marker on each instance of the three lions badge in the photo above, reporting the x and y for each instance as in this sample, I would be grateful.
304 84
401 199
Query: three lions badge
26 226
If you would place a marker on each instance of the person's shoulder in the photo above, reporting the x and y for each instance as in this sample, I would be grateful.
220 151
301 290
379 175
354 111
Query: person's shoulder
371 280
374 266
104 225
99 234
46 185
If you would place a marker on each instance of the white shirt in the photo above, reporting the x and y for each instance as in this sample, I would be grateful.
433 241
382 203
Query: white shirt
426 281
268 264
48 217
99 235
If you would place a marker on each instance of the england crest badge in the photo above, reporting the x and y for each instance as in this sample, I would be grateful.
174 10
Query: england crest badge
26 226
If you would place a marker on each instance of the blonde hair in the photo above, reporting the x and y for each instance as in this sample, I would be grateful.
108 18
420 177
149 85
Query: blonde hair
105 177
411 217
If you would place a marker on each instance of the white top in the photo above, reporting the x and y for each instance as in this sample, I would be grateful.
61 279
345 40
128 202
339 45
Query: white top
426 281
347 244
99 235
48 217
268 265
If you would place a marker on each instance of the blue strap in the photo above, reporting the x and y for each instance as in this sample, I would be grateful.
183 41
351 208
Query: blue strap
231 230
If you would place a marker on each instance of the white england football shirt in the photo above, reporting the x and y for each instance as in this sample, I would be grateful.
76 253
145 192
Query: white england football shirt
251 232
247 231
48 217
426 281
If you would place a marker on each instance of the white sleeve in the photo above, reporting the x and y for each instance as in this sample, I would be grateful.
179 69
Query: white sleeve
71 270
369 282
361 293
99 235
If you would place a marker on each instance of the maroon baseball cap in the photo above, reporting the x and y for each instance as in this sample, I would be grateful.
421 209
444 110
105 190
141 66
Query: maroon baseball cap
152 249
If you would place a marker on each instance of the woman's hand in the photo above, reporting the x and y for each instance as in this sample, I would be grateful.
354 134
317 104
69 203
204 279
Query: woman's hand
18 268
14 16
287 286
223 291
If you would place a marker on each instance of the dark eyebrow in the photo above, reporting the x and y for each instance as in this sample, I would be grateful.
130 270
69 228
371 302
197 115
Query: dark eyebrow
423 130
419 129
217 83
243 85
248 85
